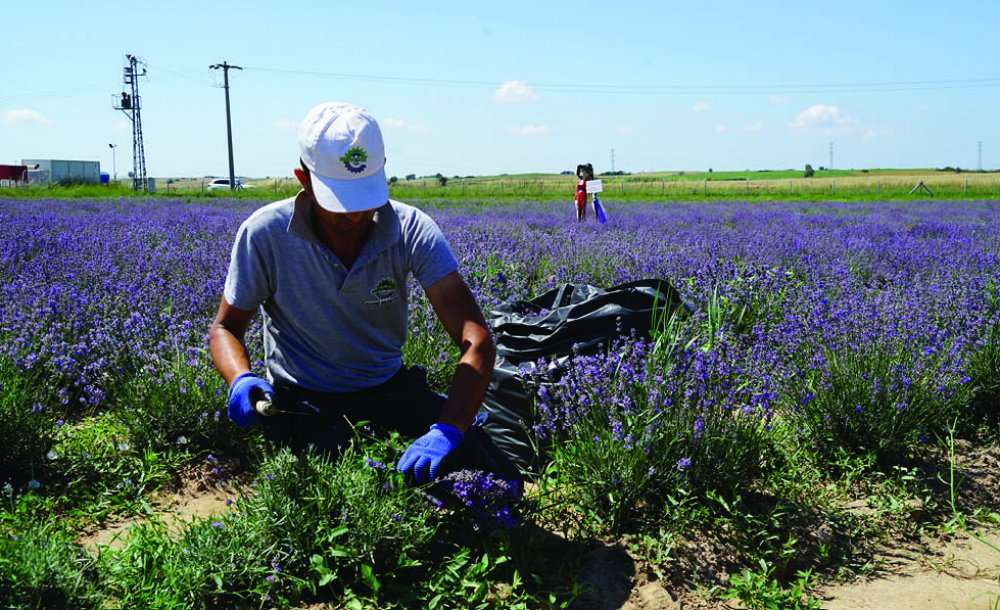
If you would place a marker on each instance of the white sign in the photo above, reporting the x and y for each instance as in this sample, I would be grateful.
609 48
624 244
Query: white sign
595 186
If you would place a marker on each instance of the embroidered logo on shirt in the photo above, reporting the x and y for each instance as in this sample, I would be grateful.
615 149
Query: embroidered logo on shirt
354 159
384 291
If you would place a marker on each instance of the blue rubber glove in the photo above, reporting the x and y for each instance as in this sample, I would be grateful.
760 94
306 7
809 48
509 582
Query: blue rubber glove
424 456
245 390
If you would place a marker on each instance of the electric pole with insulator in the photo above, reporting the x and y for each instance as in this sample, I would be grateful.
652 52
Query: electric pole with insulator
130 104
226 67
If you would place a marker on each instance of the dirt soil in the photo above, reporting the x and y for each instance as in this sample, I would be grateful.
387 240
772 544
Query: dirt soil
201 493
958 574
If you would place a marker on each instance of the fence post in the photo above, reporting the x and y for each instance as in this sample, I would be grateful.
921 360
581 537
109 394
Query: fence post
748 188
965 187
663 188
833 186
705 192
879 187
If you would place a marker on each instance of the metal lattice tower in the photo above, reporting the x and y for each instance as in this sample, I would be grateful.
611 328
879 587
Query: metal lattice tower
131 105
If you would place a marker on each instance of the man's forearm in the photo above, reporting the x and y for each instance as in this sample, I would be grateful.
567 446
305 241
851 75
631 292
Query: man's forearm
468 387
228 353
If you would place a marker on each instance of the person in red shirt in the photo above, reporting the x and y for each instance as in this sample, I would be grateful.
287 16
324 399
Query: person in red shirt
584 172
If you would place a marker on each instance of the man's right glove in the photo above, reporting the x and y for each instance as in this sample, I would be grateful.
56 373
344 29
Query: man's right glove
423 458
244 392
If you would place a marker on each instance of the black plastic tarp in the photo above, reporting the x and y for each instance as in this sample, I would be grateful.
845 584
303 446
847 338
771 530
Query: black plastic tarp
576 318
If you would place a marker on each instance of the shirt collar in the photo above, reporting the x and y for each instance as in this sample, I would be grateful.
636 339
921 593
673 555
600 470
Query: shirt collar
386 229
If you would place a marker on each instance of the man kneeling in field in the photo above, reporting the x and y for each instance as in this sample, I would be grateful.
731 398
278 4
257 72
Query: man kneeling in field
328 269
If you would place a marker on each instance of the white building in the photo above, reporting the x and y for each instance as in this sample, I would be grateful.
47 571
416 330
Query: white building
53 171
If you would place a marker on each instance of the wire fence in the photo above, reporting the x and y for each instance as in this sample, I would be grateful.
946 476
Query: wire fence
977 187
629 188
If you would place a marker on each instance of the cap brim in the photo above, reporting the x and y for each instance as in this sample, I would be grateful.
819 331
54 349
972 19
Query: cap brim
355 195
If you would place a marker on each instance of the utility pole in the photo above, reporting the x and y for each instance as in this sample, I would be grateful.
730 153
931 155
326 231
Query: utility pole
131 105
225 67
831 156
114 162
612 159
980 143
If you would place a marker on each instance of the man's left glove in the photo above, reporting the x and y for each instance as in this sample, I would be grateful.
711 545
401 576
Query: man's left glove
246 390
424 457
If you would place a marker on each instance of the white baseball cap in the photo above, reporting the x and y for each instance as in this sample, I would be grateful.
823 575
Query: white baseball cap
341 146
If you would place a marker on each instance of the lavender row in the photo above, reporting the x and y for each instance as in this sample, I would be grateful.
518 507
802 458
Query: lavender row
93 292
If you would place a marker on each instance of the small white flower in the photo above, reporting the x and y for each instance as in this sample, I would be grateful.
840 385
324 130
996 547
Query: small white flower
52 455
33 484
182 440
123 446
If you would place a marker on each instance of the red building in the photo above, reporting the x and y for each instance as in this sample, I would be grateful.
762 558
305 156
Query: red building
13 173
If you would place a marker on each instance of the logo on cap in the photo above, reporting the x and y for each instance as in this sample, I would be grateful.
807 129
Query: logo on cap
354 159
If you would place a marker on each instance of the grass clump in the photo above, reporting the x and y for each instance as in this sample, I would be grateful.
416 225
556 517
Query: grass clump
41 567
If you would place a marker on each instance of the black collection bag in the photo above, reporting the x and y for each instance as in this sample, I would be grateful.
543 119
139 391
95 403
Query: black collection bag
572 318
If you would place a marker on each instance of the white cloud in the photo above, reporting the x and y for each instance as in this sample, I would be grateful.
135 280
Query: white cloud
721 128
755 126
822 115
531 130
514 92
24 116
623 130
394 123
778 100
286 124
701 106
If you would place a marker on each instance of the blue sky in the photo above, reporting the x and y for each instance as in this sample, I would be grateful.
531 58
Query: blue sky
63 62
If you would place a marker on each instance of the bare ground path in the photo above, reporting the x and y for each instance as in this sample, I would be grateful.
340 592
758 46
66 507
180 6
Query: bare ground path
959 574
200 494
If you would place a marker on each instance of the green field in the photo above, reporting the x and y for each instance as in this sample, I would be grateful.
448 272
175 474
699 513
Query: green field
825 185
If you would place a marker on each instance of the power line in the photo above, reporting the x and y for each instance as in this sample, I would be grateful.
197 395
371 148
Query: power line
664 89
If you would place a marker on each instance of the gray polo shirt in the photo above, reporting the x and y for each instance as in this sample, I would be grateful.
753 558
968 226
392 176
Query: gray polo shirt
327 328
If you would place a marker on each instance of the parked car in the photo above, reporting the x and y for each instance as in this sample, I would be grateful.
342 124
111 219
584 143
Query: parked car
223 183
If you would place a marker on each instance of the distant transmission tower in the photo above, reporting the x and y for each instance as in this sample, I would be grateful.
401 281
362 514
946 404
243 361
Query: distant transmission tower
131 105
612 159
980 143
831 156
